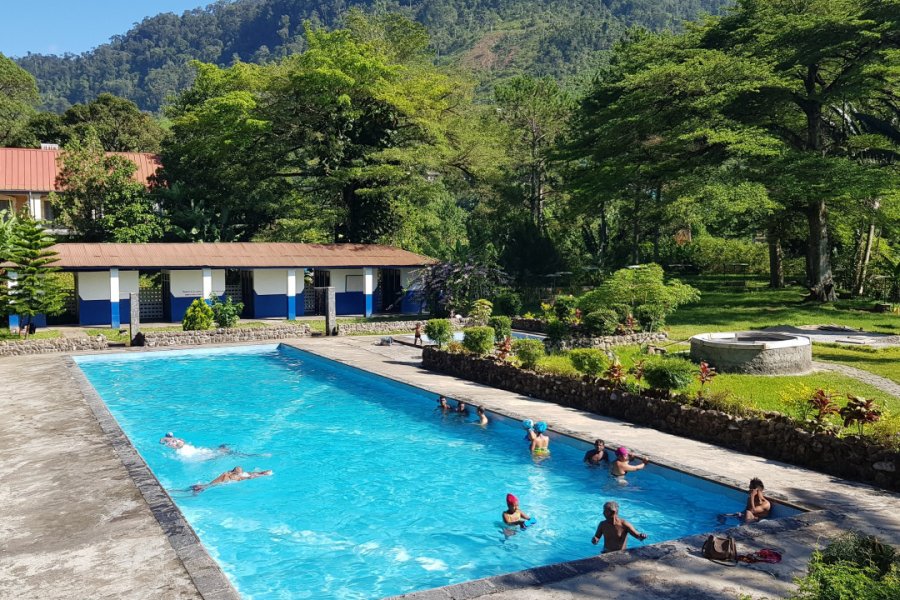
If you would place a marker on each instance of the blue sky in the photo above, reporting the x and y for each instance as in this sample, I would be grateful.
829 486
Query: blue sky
58 26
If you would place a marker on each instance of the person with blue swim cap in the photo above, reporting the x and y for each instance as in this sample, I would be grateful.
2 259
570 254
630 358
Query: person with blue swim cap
540 445
528 425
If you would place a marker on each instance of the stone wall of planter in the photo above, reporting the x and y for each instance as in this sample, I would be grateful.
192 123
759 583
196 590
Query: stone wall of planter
533 325
223 336
382 327
609 341
23 347
770 435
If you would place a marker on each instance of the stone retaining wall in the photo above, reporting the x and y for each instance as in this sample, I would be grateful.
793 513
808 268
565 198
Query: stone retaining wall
380 327
770 435
48 346
608 341
223 336
534 325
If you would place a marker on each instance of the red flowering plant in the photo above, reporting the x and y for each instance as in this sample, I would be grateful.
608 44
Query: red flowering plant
822 405
615 373
705 376
504 348
859 411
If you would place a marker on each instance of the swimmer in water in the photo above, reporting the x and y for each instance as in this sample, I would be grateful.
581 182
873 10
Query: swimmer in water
443 406
528 425
615 530
623 465
186 450
236 474
482 418
540 445
513 515
171 441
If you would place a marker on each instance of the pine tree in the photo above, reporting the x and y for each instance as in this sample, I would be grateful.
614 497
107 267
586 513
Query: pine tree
36 290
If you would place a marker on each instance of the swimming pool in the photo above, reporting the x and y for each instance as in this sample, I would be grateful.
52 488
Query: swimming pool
374 493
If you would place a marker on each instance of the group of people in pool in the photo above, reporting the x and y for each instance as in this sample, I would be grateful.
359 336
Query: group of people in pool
236 474
461 409
613 530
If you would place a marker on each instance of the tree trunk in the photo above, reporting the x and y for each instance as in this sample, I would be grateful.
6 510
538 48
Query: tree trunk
819 277
867 256
776 258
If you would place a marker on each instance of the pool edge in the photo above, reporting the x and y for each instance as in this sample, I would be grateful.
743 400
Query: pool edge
206 574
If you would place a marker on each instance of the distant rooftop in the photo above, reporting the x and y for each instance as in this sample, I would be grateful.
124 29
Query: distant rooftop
233 255
35 170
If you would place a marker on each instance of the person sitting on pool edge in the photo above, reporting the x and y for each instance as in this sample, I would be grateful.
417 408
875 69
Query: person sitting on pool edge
614 530
540 445
622 466
513 515
758 506
235 474
596 455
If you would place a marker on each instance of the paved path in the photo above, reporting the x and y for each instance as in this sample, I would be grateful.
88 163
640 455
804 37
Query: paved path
674 569
877 381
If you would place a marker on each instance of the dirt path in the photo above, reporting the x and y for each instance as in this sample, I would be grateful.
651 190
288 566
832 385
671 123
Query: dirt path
877 381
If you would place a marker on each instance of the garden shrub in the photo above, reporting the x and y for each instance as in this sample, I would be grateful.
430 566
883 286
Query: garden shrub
439 330
887 431
723 401
225 314
623 311
198 317
602 321
591 301
564 308
557 330
557 365
853 566
508 303
481 311
455 347
590 361
669 373
529 352
502 327
479 340
650 316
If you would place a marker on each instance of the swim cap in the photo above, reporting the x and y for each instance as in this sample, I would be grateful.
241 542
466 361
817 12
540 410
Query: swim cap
170 434
540 427
510 499
622 451
527 423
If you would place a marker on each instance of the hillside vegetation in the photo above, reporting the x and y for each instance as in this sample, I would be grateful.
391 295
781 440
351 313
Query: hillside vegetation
151 62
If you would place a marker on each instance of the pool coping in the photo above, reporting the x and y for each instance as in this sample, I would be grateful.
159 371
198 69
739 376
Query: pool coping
204 571
212 583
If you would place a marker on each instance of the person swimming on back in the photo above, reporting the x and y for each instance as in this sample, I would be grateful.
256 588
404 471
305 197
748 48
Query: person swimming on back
186 450
623 465
235 474
171 441
540 445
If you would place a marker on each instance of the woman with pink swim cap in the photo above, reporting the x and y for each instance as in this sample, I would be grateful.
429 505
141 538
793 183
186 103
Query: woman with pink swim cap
622 466
513 515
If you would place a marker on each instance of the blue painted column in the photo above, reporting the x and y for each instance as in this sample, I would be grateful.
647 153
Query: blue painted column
368 288
115 320
291 294
11 283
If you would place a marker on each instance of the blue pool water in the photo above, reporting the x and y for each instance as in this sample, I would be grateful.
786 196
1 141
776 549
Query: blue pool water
374 493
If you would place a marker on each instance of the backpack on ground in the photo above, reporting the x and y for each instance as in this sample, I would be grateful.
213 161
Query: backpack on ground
720 549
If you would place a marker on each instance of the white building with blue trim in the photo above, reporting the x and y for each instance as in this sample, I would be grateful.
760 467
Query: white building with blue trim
273 280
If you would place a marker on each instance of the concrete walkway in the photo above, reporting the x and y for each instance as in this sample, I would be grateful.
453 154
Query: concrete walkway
75 526
666 570
877 381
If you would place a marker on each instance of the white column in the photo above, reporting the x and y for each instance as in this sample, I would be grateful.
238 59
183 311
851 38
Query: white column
35 207
11 283
207 283
115 319
292 294
368 289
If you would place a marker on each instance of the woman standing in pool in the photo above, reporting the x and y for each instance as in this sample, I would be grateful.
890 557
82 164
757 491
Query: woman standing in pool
540 444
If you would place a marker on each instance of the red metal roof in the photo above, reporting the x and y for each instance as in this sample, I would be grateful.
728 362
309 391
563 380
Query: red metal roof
233 255
31 170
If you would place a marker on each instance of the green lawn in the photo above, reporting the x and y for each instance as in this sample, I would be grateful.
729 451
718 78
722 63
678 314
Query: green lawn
119 336
41 334
723 309
881 361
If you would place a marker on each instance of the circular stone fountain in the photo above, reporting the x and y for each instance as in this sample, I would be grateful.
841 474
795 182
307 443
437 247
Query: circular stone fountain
754 352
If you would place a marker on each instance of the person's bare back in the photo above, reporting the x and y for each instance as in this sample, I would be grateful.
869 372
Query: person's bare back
615 530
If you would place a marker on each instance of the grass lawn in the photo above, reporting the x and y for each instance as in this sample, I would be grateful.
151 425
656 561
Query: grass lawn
40 334
881 361
763 392
724 309
119 336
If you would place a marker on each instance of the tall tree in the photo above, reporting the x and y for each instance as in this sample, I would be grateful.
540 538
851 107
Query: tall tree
118 123
100 199
18 97
35 290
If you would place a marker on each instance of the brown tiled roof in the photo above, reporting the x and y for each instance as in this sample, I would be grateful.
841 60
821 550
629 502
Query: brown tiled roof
30 170
233 255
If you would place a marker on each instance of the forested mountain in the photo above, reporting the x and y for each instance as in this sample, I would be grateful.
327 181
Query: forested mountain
496 38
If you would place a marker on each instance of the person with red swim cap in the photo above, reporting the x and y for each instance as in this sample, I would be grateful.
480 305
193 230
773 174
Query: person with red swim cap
513 515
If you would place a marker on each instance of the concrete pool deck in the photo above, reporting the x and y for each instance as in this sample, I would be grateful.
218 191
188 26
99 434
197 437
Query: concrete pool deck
75 525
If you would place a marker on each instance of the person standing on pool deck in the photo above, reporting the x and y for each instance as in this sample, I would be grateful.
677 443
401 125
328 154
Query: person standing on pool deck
540 445
513 515
614 530
622 466
597 455
417 340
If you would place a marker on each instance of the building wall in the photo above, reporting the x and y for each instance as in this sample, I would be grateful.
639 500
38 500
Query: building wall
349 293
94 307
187 285
270 293
410 304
